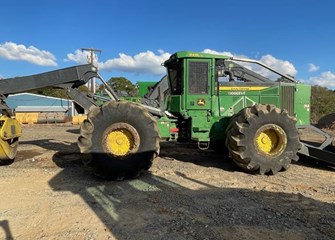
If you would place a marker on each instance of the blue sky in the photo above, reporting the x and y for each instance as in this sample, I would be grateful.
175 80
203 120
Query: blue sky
297 37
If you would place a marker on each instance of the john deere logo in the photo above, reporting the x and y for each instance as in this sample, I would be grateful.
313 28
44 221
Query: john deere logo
201 102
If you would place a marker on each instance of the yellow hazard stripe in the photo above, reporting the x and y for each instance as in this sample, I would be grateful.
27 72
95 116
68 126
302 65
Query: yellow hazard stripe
244 88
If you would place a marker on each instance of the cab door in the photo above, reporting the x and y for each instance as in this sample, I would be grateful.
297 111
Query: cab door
198 97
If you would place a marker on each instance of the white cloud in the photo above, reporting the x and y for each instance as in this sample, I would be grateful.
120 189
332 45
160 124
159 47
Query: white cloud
312 67
325 79
144 62
80 57
281 66
216 52
13 51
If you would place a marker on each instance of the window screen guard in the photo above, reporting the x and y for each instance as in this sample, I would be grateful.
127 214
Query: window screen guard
198 77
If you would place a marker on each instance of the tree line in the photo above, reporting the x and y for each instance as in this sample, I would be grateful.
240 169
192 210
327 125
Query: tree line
322 103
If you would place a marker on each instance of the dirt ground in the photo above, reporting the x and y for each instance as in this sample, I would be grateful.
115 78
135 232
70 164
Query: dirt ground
188 194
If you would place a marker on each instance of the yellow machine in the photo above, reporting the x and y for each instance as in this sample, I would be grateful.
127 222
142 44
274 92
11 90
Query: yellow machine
10 131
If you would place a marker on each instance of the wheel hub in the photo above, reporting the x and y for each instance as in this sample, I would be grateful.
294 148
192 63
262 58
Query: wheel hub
271 140
121 139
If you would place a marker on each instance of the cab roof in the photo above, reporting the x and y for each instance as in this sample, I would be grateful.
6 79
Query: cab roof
190 54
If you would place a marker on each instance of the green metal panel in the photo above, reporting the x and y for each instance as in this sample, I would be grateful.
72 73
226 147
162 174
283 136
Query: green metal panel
200 127
274 100
143 87
238 104
273 90
302 104
215 106
165 125
175 105
251 100
234 98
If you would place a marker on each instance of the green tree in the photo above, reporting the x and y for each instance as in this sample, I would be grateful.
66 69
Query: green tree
122 84
52 92
322 103
56 92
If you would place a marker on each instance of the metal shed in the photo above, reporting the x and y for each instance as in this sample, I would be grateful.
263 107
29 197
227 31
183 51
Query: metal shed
35 108
29 102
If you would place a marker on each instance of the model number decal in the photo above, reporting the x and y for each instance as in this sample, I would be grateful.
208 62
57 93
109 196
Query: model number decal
236 93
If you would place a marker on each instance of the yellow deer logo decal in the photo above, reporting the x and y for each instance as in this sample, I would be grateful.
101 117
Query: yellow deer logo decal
201 102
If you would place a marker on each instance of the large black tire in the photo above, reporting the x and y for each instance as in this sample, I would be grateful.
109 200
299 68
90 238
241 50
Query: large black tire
263 139
119 140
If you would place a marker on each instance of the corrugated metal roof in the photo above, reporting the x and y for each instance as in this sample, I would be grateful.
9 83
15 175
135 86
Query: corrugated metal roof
41 109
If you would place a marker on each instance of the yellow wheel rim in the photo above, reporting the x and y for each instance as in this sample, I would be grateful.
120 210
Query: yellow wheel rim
121 139
271 140
120 142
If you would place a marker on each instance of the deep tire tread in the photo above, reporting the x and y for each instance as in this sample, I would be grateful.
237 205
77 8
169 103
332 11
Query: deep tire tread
242 151
112 167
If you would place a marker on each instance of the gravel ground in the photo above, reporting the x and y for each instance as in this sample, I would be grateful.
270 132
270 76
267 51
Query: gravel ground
187 194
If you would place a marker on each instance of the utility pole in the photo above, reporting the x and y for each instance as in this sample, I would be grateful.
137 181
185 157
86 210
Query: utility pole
91 84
